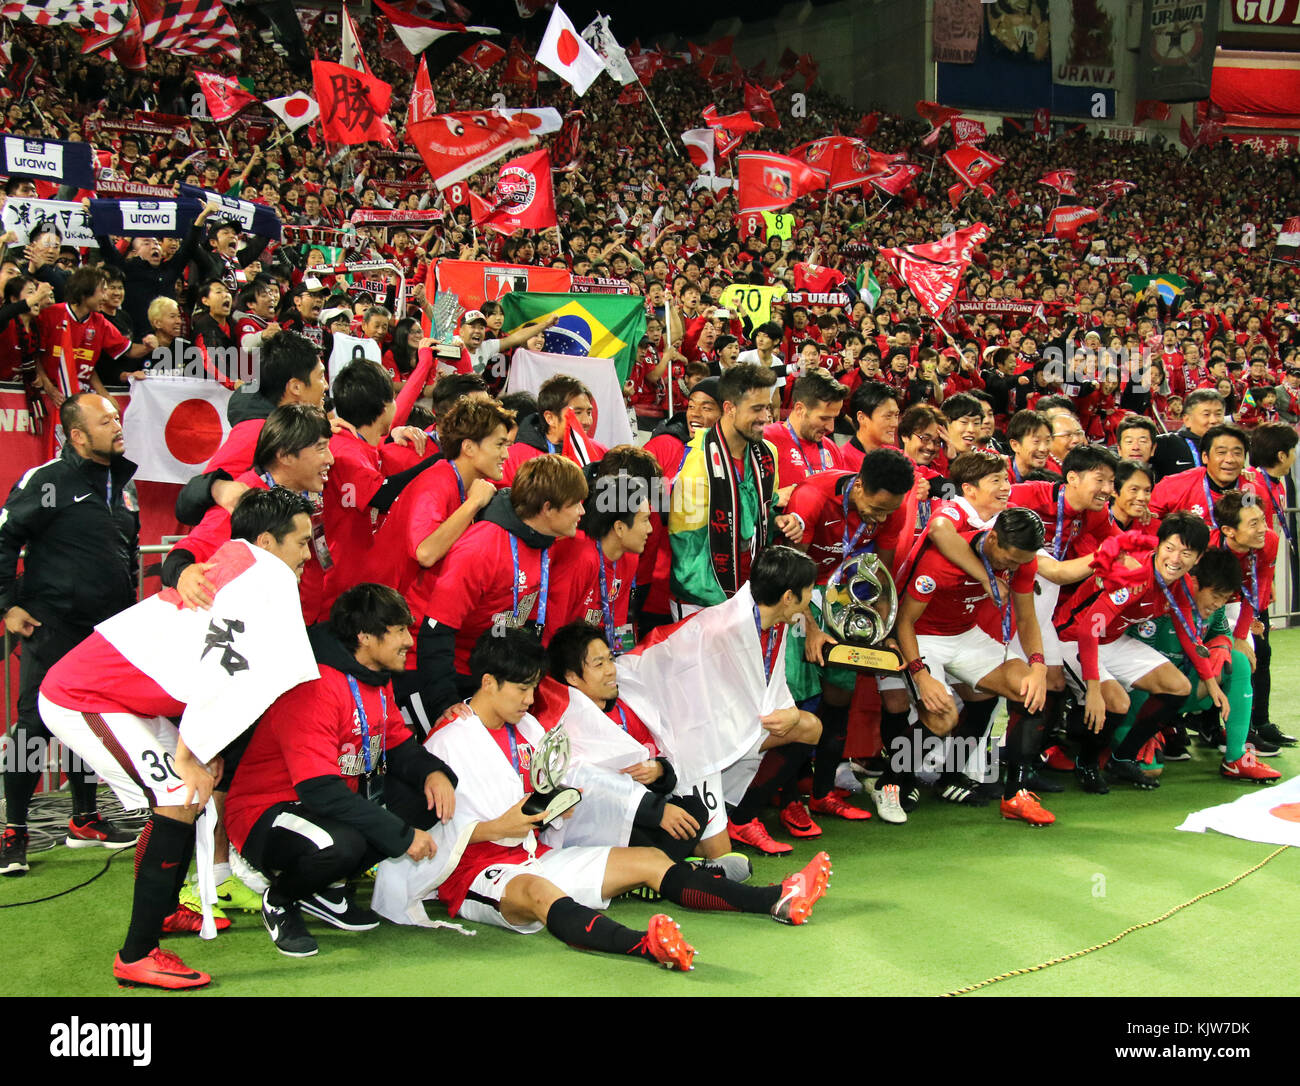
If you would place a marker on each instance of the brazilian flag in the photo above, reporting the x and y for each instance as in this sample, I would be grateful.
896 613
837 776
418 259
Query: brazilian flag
1167 287
590 325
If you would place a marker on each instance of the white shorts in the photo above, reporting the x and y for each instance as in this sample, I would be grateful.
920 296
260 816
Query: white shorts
1125 660
135 755
965 658
579 872
727 785
1046 595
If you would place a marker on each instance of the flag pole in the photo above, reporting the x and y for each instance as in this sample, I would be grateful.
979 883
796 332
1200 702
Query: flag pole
671 146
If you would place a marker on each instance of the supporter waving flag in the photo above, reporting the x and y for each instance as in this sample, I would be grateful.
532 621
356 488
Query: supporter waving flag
769 181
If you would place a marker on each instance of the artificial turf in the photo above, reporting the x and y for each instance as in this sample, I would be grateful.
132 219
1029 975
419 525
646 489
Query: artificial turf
953 897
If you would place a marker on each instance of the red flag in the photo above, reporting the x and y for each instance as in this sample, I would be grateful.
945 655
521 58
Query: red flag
973 165
936 114
845 162
768 182
523 198
1061 180
225 96
730 129
815 278
1149 108
807 67
933 271
422 105
751 225
455 145
868 125
521 68
578 446
484 56
931 139
1115 189
1065 221
568 144
1013 200
1043 123
631 94
759 103
789 58
1185 134
898 179
965 131
353 104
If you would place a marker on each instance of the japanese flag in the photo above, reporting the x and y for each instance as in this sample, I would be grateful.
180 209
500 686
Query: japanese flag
295 110
173 425
567 55
700 145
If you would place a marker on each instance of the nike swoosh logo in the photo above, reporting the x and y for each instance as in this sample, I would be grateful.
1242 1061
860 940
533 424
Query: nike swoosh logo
590 924
274 932
175 788
82 498
337 909
167 866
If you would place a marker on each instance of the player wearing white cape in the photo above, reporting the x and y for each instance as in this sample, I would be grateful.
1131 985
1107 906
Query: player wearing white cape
711 689
111 698
508 878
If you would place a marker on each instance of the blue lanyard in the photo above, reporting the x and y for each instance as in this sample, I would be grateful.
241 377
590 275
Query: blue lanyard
1015 471
1209 500
1196 452
546 580
606 608
110 489
622 716
1179 617
1277 505
460 483
769 654
365 726
1003 605
514 748
821 452
1252 597
553 447
850 544
1059 543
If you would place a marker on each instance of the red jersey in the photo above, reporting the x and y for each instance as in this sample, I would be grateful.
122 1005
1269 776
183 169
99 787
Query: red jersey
798 459
313 730
1256 579
236 453
819 503
579 598
1196 492
349 520
90 339
1081 532
214 530
954 602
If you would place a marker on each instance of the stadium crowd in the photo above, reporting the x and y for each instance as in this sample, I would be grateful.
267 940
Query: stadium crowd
1078 485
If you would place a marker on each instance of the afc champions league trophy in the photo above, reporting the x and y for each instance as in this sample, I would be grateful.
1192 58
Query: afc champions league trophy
444 315
550 762
860 609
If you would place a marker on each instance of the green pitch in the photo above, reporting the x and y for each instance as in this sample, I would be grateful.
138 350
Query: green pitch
954 897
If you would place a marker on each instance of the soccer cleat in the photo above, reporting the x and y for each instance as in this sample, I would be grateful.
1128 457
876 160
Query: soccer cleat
888 807
834 804
959 788
868 767
185 921
158 969
13 853
802 890
1173 745
1025 807
1263 748
91 831
285 926
332 906
797 821
1149 758
1090 779
1038 783
1056 758
233 894
845 780
755 835
666 944
910 797
1122 769
1273 734
735 866
1248 768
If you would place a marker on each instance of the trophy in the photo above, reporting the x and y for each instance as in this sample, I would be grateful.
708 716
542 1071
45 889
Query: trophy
444 315
860 608
550 762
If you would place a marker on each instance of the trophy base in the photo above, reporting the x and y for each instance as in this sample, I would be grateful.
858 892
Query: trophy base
861 658
552 805
446 350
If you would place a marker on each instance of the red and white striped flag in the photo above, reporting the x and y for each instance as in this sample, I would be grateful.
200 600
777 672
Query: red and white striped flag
189 27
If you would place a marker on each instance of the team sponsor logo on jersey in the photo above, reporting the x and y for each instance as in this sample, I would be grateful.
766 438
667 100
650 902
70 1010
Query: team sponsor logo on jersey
924 585
1119 596
1147 629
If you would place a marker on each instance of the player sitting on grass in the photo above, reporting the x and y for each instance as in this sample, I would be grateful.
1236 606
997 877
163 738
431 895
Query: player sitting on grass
507 878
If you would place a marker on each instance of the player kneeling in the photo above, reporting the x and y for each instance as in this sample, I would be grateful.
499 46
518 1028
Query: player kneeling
508 878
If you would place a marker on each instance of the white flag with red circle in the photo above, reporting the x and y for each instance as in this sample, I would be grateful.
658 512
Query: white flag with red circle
295 110
567 55
173 425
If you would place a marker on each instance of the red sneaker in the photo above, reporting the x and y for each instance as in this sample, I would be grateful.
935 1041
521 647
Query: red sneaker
1055 758
796 819
158 969
833 804
1024 806
755 835
667 945
185 921
1248 768
802 890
